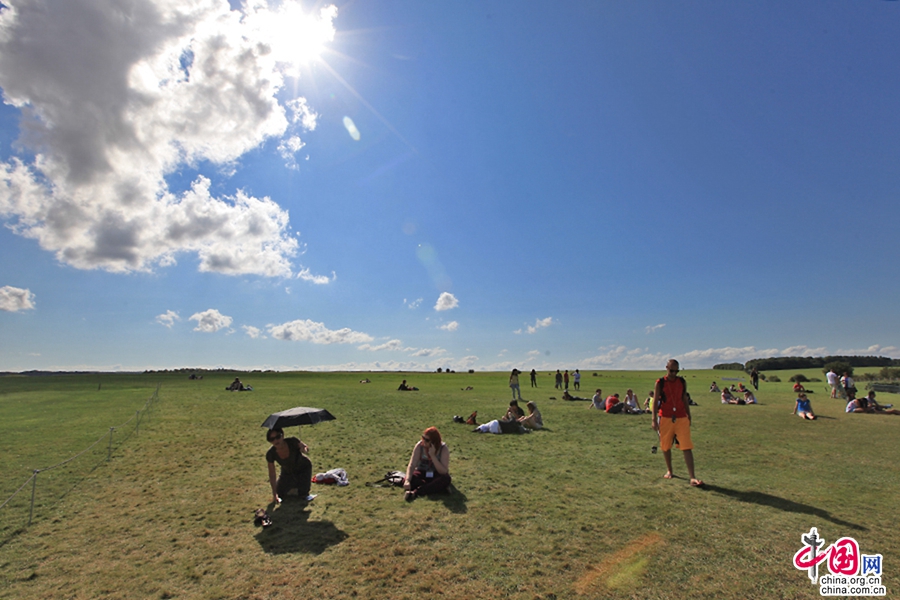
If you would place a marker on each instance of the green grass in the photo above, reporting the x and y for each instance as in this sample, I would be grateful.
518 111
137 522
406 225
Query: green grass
578 510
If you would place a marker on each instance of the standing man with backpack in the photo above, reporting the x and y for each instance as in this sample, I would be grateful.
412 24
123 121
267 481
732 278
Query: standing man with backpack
671 419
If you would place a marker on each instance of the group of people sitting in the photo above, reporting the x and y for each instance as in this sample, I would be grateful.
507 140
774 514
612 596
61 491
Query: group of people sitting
729 398
428 471
614 405
866 404
515 420
237 386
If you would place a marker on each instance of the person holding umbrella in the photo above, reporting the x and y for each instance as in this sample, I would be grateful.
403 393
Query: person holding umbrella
428 471
296 469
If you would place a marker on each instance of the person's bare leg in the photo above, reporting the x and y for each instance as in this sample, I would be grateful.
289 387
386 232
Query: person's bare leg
668 456
689 461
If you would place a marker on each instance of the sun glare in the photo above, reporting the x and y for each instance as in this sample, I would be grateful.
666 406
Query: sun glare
298 38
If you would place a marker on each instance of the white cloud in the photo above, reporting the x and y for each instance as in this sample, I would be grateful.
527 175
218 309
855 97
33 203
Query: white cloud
425 352
873 350
533 353
168 318
451 326
310 331
114 100
446 301
13 299
253 332
211 321
457 364
538 324
305 275
621 357
652 328
414 304
391 345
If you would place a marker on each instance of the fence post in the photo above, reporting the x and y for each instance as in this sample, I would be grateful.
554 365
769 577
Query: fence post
33 487
109 450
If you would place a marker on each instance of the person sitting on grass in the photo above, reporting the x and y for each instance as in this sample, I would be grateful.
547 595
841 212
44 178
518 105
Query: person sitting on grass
533 420
237 386
872 403
614 406
714 388
648 402
428 471
727 398
406 388
869 405
749 398
514 412
798 387
296 469
803 408
597 401
631 403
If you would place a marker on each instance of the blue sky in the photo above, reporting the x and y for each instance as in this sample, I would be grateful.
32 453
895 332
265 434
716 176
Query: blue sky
413 185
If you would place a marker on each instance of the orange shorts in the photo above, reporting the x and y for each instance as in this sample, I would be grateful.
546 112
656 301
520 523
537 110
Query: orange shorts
668 430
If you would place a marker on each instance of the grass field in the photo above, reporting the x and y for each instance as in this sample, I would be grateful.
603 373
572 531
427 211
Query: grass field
579 510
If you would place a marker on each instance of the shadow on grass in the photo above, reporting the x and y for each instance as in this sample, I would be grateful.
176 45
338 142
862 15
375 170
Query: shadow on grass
781 504
454 500
292 531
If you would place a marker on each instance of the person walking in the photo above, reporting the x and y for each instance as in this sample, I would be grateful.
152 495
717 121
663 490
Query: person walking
754 378
566 378
533 378
671 412
576 377
558 380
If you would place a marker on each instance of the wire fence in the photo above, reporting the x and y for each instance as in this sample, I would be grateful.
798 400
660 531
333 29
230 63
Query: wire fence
47 486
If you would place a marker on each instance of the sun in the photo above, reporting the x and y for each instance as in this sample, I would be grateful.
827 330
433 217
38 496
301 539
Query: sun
297 38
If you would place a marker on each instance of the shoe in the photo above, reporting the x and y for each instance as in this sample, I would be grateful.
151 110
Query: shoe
653 450
261 518
310 498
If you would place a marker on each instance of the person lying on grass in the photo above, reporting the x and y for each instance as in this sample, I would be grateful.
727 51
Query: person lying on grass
868 404
428 471
406 388
296 469
533 420
803 408
727 398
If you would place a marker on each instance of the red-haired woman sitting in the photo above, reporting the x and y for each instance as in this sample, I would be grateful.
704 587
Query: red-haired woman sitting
428 471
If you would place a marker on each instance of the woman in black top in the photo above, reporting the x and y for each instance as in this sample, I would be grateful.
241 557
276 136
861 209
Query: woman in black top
296 470
428 470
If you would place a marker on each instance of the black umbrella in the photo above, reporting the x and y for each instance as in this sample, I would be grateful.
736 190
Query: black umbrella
300 415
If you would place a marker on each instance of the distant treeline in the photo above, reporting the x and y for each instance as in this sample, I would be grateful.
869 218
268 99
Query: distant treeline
782 363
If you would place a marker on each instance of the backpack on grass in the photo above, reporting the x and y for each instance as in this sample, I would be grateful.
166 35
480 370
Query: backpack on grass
391 479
